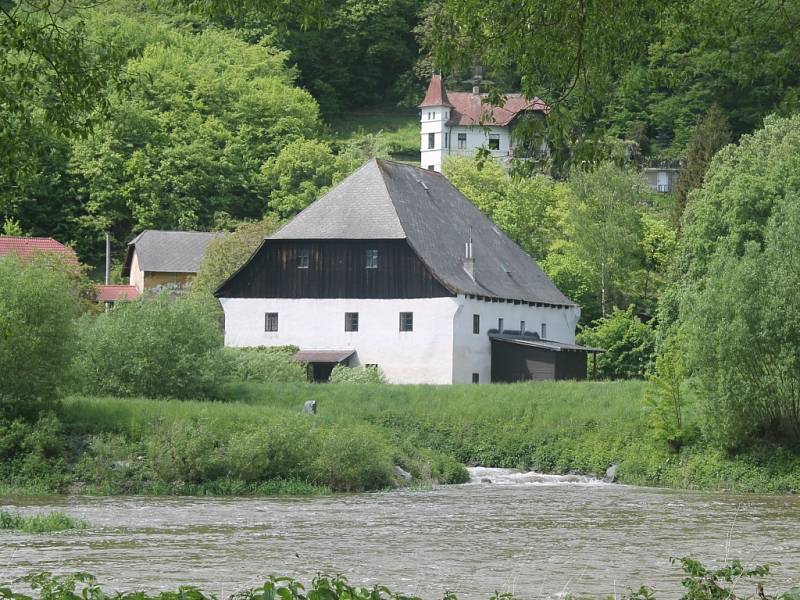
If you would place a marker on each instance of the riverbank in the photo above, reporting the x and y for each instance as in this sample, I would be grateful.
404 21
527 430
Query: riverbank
258 442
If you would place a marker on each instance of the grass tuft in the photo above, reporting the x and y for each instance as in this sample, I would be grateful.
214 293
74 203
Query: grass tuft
46 523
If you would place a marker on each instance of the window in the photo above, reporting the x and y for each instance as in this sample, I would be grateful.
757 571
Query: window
476 323
406 321
350 321
303 258
500 325
270 321
446 140
522 327
494 142
462 140
431 140
431 167
476 378
544 331
372 258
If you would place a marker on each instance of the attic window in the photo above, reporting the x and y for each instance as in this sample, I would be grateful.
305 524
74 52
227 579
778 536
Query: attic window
494 142
372 258
303 258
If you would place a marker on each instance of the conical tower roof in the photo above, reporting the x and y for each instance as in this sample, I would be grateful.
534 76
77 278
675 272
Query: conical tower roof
436 94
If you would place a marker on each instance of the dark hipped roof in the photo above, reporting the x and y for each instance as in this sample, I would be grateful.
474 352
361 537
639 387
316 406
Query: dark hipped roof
169 251
389 200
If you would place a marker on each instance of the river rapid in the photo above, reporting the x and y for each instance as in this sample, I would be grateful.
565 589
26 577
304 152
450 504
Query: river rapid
534 535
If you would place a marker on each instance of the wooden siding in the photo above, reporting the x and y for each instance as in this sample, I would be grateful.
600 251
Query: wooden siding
515 362
337 269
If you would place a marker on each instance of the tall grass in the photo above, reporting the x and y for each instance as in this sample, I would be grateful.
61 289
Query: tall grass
45 523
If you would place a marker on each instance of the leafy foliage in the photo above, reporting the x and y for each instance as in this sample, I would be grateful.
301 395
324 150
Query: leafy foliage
665 397
368 374
39 300
44 523
155 346
264 364
629 344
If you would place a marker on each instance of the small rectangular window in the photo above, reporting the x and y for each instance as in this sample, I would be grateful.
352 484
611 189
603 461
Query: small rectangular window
500 325
494 142
270 321
372 258
406 321
431 168
476 378
350 321
544 331
446 140
431 140
522 327
476 323
462 140
303 258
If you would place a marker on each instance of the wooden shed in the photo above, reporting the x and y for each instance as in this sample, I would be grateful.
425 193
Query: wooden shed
524 356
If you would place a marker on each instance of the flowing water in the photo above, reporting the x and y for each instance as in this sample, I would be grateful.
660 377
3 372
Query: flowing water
531 534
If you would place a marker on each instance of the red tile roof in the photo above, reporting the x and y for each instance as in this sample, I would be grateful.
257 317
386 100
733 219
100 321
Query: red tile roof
469 108
26 246
436 94
112 293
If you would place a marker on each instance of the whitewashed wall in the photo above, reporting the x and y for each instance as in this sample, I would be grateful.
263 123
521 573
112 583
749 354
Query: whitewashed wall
472 353
432 120
424 355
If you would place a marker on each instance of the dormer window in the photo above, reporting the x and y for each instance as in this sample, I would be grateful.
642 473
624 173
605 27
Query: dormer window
303 258
372 258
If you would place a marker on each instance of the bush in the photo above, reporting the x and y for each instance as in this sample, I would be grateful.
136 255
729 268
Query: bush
155 347
345 374
38 304
629 344
354 459
264 364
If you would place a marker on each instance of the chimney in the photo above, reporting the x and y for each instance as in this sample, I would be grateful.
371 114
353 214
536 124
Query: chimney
469 258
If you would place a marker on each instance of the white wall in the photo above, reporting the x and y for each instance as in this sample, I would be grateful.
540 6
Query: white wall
432 120
473 353
478 137
420 356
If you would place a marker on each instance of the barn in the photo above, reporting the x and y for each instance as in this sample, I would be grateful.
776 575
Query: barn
394 267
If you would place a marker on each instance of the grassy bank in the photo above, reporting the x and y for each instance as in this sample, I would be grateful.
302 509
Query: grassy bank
258 442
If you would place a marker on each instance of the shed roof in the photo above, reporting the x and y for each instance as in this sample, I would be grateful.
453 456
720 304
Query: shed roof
25 247
323 356
389 200
113 293
535 342
169 251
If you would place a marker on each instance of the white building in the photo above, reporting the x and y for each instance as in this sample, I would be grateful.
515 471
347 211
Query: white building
395 267
458 123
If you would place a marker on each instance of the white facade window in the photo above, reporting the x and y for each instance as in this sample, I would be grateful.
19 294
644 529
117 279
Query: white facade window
431 167
522 327
446 140
462 140
494 142
406 321
372 258
476 323
476 378
544 331
270 321
303 258
431 141
351 321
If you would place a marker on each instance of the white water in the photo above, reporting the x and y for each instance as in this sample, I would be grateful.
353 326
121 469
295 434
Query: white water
486 475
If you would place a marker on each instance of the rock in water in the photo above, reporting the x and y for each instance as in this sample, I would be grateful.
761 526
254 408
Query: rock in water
611 474
404 475
310 407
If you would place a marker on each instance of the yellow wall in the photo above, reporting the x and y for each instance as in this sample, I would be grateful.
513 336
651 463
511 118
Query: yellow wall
153 279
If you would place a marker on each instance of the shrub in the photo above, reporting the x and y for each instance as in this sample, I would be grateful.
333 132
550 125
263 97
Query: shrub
264 364
354 459
345 374
629 344
38 304
54 521
157 346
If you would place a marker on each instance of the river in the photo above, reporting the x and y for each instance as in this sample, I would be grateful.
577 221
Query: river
536 536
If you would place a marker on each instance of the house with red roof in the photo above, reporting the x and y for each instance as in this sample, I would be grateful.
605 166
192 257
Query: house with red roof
27 247
459 123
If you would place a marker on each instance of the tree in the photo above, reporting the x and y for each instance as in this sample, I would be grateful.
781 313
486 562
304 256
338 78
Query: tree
710 135
665 396
156 347
39 301
737 300
629 344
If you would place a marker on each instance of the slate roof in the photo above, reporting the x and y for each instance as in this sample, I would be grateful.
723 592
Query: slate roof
469 109
25 247
389 200
113 293
169 251
323 356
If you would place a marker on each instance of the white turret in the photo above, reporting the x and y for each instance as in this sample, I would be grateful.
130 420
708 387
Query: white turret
434 114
